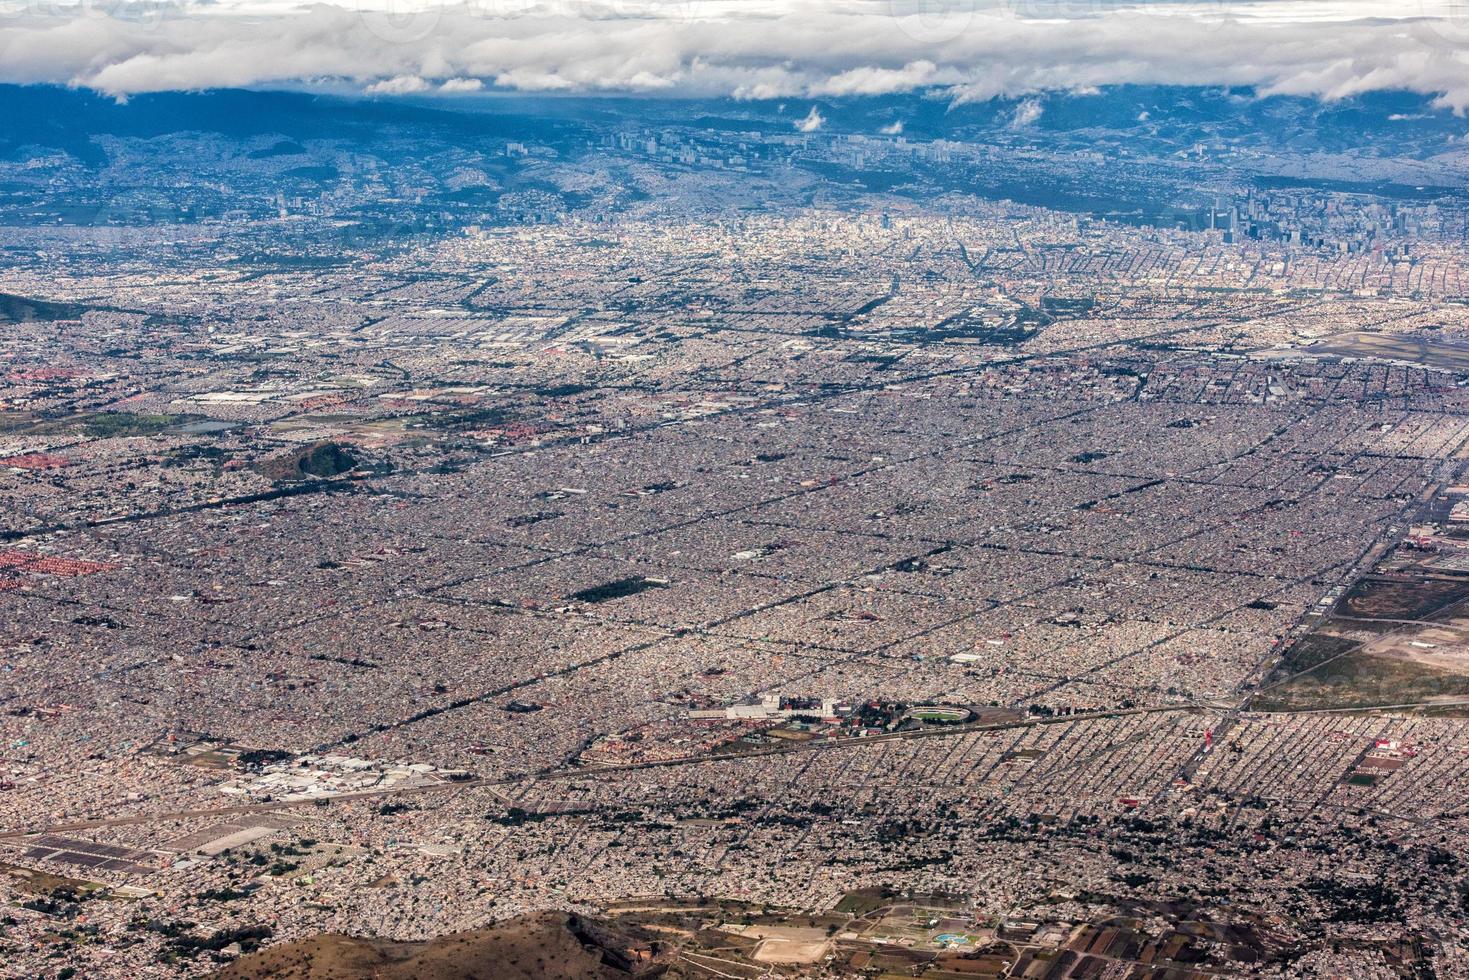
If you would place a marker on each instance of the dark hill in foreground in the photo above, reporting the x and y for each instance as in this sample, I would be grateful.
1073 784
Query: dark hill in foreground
544 946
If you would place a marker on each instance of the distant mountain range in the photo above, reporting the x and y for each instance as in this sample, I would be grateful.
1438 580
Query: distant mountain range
1399 124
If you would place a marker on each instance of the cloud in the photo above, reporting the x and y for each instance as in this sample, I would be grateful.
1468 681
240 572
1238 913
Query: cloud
813 121
398 85
763 49
1026 113
870 80
462 85
894 128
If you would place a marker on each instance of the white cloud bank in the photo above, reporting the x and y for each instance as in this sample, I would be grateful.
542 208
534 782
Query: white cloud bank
969 50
